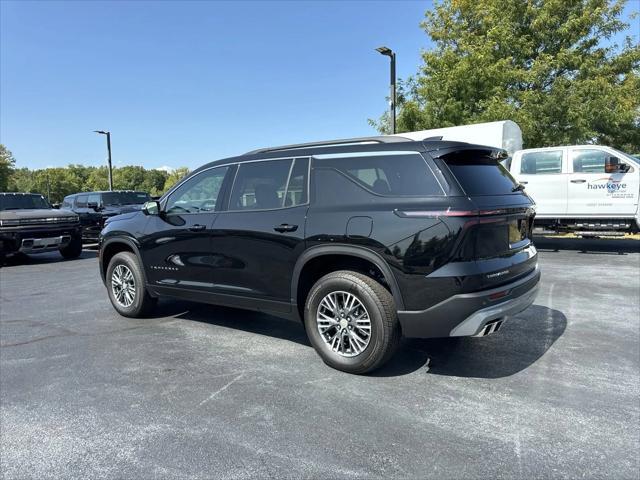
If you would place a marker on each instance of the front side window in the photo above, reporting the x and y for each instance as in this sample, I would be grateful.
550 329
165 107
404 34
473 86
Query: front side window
95 198
199 194
536 163
386 175
594 161
260 185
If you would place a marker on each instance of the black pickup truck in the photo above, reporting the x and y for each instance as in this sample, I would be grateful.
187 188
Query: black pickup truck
28 224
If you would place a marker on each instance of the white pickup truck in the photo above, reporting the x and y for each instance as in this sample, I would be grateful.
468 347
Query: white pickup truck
592 190
589 189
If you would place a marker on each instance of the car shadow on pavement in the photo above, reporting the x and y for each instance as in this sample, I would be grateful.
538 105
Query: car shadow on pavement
604 246
43 258
245 320
522 341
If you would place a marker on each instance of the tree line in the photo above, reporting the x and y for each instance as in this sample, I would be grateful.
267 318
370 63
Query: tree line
550 66
56 183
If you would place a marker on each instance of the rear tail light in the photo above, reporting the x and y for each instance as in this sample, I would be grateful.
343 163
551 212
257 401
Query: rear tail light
448 213
497 295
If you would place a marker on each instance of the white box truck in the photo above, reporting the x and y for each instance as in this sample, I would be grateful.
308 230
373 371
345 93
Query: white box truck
505 134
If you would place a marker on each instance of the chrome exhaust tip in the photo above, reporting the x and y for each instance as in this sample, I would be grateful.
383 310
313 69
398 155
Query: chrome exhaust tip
490 328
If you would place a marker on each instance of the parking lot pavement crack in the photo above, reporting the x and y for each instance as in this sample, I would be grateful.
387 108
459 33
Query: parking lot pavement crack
70 333
221 389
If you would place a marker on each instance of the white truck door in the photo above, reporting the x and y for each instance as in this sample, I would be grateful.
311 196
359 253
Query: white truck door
594 191
542 171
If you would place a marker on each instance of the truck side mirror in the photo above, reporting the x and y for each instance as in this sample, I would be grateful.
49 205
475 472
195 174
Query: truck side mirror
151 208
613 165
93 205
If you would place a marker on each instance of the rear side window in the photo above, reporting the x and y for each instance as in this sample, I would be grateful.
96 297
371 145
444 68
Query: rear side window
536 163
260 185
479 174
297 188
386 175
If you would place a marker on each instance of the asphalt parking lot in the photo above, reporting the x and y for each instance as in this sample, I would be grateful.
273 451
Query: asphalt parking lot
207 392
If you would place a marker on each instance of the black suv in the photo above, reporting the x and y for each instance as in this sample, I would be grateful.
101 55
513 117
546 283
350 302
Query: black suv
94 208
28 224
365 240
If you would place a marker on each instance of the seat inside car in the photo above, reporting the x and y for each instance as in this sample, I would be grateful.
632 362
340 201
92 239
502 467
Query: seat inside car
267 196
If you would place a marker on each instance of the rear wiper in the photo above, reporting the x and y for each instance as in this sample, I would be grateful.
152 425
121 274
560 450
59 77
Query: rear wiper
518 188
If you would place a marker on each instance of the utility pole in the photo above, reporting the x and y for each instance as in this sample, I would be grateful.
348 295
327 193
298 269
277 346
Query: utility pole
108 134
386 51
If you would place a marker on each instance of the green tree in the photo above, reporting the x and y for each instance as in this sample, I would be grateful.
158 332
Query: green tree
549 65
7 163
175 177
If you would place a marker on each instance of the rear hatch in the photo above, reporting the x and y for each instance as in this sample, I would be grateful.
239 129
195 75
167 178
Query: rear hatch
498 236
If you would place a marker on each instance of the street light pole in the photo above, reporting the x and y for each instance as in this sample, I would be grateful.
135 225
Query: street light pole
386 51
108 134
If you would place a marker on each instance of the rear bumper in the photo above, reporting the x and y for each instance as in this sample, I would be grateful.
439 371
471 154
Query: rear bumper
467 314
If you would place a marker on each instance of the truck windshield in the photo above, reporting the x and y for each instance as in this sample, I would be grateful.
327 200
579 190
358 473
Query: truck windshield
23 202
125 198
635 158
480 174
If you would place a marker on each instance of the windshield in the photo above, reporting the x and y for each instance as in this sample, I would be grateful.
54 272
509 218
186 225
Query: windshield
629 156
125 198
23 202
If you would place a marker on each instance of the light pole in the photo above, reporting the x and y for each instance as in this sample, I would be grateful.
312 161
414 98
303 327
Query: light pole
386 51
108 134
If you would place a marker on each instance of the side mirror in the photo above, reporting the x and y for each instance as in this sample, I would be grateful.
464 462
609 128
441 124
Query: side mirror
613 165
93 205
151 208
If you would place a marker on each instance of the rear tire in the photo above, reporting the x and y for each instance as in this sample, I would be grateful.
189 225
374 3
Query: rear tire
339 334
126 287
73 249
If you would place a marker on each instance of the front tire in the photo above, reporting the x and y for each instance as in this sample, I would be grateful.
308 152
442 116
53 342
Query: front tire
73 249
126 287
351 321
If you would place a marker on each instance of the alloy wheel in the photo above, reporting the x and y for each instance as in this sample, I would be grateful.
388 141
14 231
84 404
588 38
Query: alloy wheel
123 285
344 323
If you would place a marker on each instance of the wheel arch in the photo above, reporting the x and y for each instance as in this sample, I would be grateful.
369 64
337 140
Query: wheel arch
113 246
347 251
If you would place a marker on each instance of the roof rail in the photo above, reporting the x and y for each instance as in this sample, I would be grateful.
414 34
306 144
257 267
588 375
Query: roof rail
331 143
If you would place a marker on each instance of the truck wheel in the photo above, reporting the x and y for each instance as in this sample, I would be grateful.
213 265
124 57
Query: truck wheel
351 322
125 284
73 248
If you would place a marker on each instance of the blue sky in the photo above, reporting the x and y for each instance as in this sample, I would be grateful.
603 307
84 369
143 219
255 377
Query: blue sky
183 83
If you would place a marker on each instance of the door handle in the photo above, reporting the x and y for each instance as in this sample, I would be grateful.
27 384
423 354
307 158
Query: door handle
285 227
197 227
580 180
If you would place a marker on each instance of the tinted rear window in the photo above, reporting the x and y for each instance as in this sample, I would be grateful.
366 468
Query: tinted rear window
386 175
479 174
